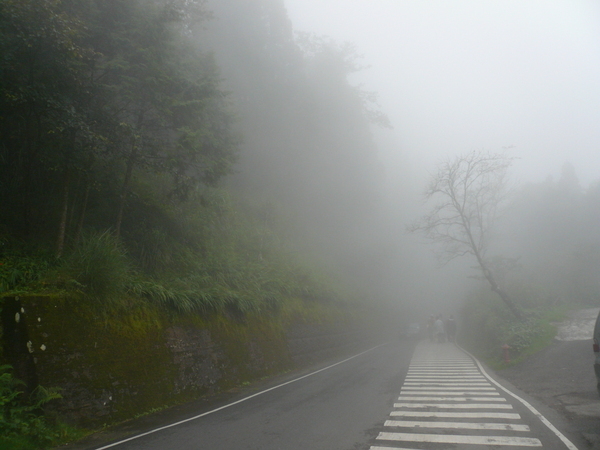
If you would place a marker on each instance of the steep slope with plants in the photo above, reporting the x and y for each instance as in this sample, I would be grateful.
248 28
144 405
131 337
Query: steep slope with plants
159 165
116 132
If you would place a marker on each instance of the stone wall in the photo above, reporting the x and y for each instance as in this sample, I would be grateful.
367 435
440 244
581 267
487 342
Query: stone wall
112 368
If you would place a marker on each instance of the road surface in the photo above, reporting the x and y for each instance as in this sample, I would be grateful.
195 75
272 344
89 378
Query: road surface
562 377
389 397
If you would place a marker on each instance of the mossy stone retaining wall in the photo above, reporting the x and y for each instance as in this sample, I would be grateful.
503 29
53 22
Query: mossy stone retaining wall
111 368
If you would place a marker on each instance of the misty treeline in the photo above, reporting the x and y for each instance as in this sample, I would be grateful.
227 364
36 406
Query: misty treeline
542 234
545 253
549 236
536 247
182 151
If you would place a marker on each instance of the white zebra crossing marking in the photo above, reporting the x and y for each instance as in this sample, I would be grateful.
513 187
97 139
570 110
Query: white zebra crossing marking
446 377
437 389
454 406
456 425
460 439
456 415
450 399
446 392
390 448
438 383
446 388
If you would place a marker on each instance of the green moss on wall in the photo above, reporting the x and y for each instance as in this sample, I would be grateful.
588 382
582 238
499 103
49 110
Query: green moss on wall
115 365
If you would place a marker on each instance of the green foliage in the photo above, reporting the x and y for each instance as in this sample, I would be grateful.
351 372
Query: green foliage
99 265
21 270
23 424
487 326
92 92
223 258
111 119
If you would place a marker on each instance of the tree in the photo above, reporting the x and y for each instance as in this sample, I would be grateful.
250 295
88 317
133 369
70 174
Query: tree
40 92
172 116
471 189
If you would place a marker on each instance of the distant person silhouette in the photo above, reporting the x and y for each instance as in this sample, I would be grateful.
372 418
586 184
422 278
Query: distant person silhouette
451 328
439 329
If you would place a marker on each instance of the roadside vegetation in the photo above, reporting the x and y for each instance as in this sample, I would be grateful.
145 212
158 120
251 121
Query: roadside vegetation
23 426
487 326
133 177
551 227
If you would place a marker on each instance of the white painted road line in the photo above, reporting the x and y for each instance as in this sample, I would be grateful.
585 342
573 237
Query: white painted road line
420 398
444 388
440 383
456 425
155 430
436 391
542 419
442 363
456 415
429 391
446 371
390 448
457 439
446 377
454 406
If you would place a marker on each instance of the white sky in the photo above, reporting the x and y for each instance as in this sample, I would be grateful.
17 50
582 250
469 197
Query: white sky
459 75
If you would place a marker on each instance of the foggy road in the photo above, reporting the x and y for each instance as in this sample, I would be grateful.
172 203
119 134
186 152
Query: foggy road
383 399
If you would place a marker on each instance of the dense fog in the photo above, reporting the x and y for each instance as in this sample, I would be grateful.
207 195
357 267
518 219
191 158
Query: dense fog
242 153
348 107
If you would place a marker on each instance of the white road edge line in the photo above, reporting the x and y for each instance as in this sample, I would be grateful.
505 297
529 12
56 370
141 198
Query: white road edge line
539 415
114 444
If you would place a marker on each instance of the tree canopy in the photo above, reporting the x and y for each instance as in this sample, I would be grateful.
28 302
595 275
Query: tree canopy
91 92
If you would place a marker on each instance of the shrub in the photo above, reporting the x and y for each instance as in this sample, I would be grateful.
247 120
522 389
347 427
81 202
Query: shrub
22 422
100 266
21 269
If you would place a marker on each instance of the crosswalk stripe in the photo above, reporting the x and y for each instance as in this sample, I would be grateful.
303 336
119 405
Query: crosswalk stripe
459 439
443 365
446 388
446 370
456 415
390 448
452 401
443 374
461 393
456 425
421 398
442 383
472 379
454 406
430 375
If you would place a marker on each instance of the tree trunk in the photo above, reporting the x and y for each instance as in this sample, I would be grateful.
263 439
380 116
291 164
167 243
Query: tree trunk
62 227
487 273
503 295
83 211
125 188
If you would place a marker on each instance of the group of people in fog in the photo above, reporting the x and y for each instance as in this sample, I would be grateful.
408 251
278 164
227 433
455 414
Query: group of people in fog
440 330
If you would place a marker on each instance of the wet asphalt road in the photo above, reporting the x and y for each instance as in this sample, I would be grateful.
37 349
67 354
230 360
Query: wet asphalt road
562 377
338 408
343 407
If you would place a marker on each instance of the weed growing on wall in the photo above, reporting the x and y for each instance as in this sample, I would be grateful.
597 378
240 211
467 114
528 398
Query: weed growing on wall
22 422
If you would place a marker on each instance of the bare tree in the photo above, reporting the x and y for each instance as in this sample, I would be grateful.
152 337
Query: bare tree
469 189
